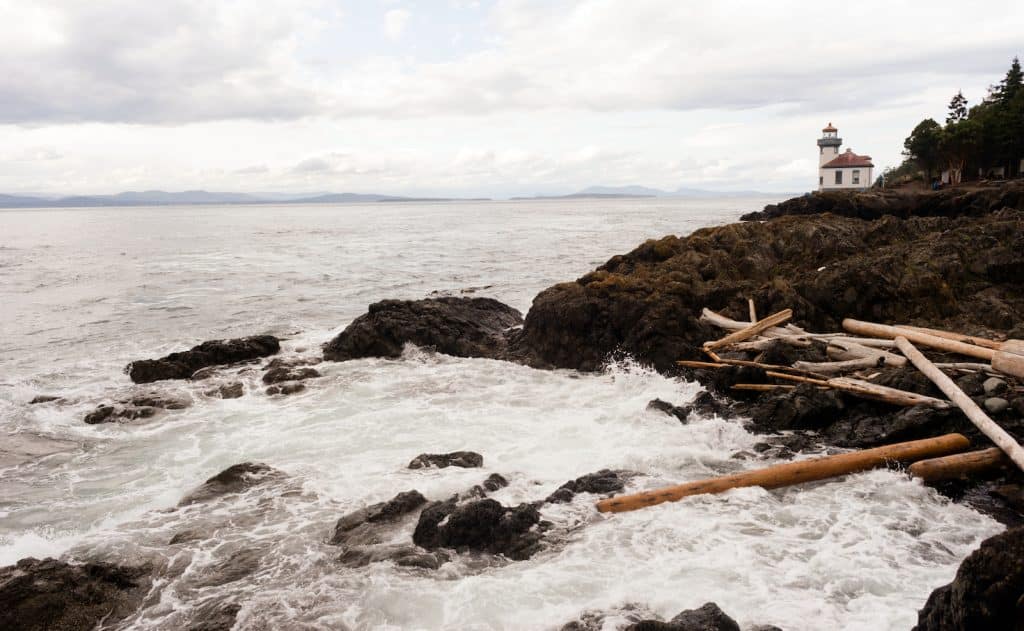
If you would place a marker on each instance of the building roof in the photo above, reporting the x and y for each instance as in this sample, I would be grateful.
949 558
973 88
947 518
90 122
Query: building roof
847 160
830 128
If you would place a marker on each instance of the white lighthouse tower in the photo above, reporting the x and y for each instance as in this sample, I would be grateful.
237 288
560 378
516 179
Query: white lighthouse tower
828 145
846 170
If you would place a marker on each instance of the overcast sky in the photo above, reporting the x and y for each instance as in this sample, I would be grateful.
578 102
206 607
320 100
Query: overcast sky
455 97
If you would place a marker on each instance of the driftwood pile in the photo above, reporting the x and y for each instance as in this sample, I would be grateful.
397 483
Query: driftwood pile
855 356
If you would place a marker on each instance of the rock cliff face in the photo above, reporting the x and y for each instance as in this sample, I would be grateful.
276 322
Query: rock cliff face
961 273
987 593
874 204
184 364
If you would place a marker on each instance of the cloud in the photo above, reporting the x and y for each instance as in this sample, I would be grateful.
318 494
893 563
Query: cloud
395 22
193 60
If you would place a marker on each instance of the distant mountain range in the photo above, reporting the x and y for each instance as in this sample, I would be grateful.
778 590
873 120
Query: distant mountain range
615 192
164 198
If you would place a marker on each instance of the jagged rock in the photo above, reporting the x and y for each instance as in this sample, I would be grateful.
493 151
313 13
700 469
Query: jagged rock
232 390
286 388
481 526
682 413
603 481
115 414
235 479
354 526
463 327
235 567
806 407
954 273
987 593
707 618
283 373
877 203
136 407
183 365
53 595
401 555
464 459
596 620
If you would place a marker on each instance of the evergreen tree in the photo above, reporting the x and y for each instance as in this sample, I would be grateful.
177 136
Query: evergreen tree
957 109
1011 85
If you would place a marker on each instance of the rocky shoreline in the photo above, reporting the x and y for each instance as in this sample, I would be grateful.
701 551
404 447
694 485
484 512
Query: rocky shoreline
949 259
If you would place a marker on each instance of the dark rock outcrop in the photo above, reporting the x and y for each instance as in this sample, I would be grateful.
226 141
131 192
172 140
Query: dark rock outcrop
875 203
235 479
987 593
284 373
709 617
286 388
480 526
956 273
463 327
603 481
53 595
355 528
137 407
183 365
464 459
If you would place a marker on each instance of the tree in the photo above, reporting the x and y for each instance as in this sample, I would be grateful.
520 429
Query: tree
957 145
1012 83
923 146
957 109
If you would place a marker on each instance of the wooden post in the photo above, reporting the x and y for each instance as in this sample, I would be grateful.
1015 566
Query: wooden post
794 472
925 339
981 420
959 465
752 330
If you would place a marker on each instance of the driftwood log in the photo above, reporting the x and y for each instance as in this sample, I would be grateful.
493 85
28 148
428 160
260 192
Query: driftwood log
867 390
959 465
792 473
990 428
751 330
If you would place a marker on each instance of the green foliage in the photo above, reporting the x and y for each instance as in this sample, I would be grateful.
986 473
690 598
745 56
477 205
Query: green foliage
957 109
923 146
990 134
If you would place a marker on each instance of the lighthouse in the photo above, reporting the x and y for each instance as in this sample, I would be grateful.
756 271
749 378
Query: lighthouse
846 170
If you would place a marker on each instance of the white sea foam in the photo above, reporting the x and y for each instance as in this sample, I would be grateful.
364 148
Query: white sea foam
859 554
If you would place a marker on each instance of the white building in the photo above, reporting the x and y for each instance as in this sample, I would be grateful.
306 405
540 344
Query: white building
841 171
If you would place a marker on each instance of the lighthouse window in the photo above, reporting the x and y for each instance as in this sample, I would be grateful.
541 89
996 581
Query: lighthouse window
856 176
839 176
821 180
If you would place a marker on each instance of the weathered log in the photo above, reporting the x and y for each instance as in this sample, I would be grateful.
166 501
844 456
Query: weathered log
950 335
831 368
867 390
959 465
753 311
762 387
990 428
751 330
1009 358
792 473
926 339
844 350
686 363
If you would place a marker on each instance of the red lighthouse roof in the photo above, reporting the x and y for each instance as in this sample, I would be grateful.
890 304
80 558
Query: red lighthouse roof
848 160
830 128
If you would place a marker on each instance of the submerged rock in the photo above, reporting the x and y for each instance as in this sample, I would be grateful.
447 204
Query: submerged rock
354 527
285 388
235 479
53 595
136 407
464 459
709 617
480 526
463 327
987 593
283 373
183 365
603 481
